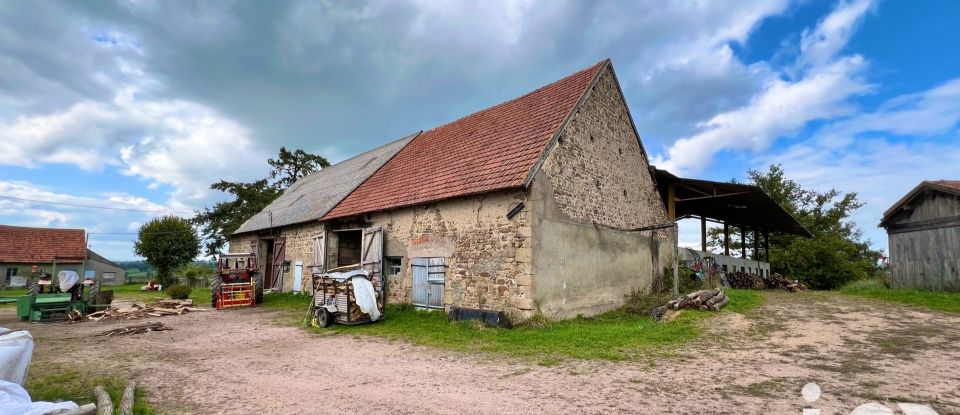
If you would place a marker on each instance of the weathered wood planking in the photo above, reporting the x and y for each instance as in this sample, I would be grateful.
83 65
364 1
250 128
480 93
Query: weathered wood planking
925 244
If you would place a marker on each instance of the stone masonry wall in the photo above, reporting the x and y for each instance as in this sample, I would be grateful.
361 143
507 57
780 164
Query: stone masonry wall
598 170
299 247
488 257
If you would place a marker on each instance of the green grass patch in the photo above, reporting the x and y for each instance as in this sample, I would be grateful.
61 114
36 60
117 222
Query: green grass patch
873 289
616 335
54 383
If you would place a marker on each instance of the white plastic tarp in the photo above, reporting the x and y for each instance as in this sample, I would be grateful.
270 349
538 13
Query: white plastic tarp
14 400
343 276
16 349
366 297
67 279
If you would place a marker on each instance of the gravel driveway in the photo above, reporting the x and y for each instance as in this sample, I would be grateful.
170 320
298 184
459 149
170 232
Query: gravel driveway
249 361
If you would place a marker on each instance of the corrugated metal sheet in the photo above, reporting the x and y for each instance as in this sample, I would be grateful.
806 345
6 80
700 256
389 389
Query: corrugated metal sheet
313 196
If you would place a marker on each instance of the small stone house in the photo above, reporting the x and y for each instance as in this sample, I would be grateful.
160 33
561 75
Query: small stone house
923 229
51 251
538 204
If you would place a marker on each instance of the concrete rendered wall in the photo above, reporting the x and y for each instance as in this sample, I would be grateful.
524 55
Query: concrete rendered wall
488 256
594 186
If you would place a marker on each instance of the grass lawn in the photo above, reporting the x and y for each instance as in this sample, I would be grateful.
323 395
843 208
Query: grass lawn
932 300
54 383
616 335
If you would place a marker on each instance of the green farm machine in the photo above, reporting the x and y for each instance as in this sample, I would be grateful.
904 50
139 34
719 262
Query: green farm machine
70 300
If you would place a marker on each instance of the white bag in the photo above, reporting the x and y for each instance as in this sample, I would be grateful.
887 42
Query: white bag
16 349
14 400
366 297
67 279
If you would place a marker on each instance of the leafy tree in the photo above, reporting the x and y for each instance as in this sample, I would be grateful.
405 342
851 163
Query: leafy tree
217 223
289 166
167 242
837 252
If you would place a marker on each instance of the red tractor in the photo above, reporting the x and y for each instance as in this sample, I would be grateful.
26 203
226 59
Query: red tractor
238 282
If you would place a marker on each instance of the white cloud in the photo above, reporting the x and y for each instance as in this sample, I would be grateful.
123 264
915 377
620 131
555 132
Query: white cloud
819 46
784 106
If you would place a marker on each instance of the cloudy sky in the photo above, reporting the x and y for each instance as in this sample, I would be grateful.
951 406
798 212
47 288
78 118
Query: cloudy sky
140 105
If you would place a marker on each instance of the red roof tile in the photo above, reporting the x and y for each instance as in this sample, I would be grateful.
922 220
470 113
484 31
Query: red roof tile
488 150
41 245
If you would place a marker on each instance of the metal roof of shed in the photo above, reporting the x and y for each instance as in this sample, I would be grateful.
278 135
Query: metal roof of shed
732 203
313 196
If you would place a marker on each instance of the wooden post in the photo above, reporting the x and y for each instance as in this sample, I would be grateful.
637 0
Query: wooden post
726 239
703 233
743 242
756 246
671 202
766 245
676 260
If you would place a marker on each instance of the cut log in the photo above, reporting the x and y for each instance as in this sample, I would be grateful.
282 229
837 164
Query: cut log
721 304
104 404
126 400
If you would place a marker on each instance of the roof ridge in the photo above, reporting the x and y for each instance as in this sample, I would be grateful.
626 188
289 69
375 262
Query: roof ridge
42 228
485 109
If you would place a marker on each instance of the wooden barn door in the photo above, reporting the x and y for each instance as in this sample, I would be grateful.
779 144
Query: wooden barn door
371 251
279 249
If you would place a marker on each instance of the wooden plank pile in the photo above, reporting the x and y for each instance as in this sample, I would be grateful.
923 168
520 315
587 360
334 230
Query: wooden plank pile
135 329
701 300
159 308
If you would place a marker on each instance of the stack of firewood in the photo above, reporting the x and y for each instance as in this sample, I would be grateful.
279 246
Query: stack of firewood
701 300
745 281
158 308
780 282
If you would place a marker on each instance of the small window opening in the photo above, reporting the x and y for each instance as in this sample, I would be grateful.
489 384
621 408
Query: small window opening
392 265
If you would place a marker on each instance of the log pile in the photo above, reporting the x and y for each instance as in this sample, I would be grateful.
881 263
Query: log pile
135 329
745 281
158 308
701 300
331 288
780 282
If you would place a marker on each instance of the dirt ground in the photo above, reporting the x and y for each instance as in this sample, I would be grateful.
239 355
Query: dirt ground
245 361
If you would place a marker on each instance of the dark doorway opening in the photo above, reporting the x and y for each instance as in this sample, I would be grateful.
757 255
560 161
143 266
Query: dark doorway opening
348 247
268 277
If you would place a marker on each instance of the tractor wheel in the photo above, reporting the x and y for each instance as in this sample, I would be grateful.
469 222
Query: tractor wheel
215 282
257 280
321 317
93 291
33 288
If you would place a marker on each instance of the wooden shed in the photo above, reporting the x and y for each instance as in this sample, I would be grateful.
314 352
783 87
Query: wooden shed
924 232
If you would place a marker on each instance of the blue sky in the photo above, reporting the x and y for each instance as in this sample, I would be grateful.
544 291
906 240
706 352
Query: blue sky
141 105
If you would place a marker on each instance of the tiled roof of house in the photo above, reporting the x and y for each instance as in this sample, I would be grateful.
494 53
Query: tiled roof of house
489 150
41 245
313 196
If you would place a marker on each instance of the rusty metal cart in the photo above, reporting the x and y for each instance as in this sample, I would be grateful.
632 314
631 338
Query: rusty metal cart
335 300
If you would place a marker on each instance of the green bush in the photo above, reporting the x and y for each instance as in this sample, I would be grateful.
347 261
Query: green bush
178 291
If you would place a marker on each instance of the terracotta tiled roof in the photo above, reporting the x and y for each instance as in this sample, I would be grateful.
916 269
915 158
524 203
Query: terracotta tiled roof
41 245
488 150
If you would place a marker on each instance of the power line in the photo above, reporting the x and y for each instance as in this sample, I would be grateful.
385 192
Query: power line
93 207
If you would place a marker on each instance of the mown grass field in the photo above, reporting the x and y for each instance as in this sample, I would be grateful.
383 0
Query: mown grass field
931 300
616 335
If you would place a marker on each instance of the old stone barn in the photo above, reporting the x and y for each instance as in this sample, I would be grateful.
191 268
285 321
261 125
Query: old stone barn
539 204
923 229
